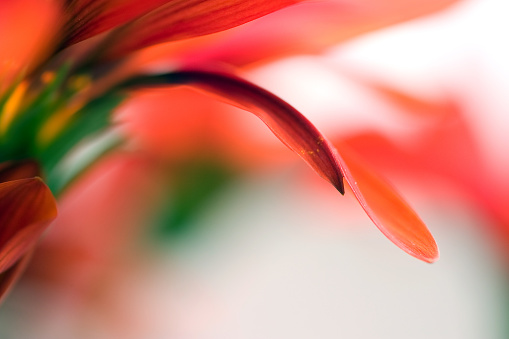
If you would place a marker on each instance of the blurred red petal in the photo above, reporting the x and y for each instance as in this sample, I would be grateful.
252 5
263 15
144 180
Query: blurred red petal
26 208
87 18
307 28
9 277
439 148
181 19
387 209
289 125
200 125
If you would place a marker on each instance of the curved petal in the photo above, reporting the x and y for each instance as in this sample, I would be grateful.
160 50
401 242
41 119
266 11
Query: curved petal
388 210
26 208
182 19
289 125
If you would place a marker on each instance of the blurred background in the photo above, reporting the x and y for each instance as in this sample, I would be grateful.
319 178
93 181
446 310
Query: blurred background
229 235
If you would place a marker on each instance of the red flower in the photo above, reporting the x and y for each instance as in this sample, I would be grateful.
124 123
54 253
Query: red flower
48 106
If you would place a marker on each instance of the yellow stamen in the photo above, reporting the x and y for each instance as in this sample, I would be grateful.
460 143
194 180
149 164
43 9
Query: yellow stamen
11 106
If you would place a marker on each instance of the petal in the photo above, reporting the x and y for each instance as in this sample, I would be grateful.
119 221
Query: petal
26 208
387 209
14 170
86 18
182 19
198 124
310 27
290 126
390 213
11 276
27 29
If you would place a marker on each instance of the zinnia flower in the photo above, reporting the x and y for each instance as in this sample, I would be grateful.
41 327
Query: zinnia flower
61 84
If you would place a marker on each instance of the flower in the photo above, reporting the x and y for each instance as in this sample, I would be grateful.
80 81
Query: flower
60 87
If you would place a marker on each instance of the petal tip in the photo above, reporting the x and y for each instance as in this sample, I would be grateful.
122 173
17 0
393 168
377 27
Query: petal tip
428 254
433 258
340 186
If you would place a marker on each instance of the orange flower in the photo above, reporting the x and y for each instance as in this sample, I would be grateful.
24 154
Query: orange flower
59 88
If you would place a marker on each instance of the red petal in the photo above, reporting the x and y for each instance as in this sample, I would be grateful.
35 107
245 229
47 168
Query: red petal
387 209
26 209
390 213
289 125
9 277
308 28
182 19
14 170
87 18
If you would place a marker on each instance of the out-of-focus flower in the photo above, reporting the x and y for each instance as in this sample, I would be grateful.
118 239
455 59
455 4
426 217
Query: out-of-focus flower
60 88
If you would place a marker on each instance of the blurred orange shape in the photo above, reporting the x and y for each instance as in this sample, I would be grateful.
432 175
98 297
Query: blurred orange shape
26 208
27 28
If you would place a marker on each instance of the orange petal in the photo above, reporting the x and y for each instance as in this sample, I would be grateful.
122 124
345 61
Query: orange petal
182 19
387 209
26 208
9 277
